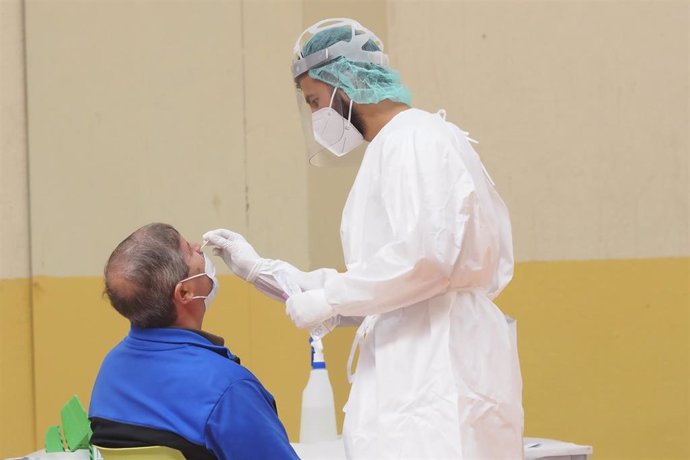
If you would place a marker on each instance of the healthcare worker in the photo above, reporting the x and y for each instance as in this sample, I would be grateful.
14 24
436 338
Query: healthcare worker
427 245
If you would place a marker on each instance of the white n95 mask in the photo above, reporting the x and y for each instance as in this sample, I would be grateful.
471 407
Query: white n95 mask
210 271
333 131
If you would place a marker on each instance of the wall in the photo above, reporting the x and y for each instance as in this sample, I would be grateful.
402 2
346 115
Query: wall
581 111
16 357
184 112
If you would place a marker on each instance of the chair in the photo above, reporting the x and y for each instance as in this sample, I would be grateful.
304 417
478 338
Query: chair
76 435
137 453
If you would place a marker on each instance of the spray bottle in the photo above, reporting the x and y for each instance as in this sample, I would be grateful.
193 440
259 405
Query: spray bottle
318 410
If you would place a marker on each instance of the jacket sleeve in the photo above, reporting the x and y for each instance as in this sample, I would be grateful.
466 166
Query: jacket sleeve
244 424
429 199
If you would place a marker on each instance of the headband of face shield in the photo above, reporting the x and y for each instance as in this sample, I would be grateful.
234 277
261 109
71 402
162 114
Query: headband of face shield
349 57
350 42
210 271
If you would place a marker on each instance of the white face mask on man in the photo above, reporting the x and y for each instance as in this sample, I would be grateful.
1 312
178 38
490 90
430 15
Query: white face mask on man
333 131
210 271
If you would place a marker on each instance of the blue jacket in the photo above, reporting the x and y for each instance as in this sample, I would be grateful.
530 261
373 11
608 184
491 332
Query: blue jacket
176 381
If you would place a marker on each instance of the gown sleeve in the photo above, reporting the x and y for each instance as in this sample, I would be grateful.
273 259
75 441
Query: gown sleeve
266 280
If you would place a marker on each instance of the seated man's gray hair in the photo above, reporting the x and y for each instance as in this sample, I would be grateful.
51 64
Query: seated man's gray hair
141 275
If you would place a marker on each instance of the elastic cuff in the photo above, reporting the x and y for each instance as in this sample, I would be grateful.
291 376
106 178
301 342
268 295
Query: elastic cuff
323 309
256 269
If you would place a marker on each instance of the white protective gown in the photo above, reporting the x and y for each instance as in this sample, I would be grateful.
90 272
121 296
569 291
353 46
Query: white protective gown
427 244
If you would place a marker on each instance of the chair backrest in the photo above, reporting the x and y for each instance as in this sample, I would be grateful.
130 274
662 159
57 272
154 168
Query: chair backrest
143 453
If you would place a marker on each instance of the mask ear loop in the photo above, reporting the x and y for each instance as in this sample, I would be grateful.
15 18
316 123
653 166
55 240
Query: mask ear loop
198 275
349 116
349 113
330 104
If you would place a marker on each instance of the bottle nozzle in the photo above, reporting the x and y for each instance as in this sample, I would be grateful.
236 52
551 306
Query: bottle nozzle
317 360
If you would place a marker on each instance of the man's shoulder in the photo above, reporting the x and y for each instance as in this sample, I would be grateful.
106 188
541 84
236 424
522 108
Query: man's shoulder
193 361
181 360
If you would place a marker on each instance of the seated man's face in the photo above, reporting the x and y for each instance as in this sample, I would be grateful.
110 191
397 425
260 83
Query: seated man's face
195 260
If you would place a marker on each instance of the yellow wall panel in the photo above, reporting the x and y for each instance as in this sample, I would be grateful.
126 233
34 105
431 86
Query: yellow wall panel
16 369
603 348
74 327
604 354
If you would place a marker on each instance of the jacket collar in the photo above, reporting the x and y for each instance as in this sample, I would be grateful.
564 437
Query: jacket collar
183 336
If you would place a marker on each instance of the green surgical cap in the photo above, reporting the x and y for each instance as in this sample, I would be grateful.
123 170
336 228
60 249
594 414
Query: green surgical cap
363 82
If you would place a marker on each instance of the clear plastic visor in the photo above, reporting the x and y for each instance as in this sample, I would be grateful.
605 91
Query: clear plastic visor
317 154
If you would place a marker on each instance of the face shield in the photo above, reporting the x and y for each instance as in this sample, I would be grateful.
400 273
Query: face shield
331 136
332 123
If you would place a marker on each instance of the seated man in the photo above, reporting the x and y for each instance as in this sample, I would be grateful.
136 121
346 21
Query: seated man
168 382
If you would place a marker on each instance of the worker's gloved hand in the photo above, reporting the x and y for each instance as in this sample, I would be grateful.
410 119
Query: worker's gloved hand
235 251
309 308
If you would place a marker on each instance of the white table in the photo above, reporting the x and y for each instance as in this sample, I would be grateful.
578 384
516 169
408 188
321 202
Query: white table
550 449
535 448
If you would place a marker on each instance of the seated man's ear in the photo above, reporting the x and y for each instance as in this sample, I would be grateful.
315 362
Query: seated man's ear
181 294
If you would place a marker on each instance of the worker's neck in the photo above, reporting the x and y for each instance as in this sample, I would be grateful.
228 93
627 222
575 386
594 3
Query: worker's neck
376 116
